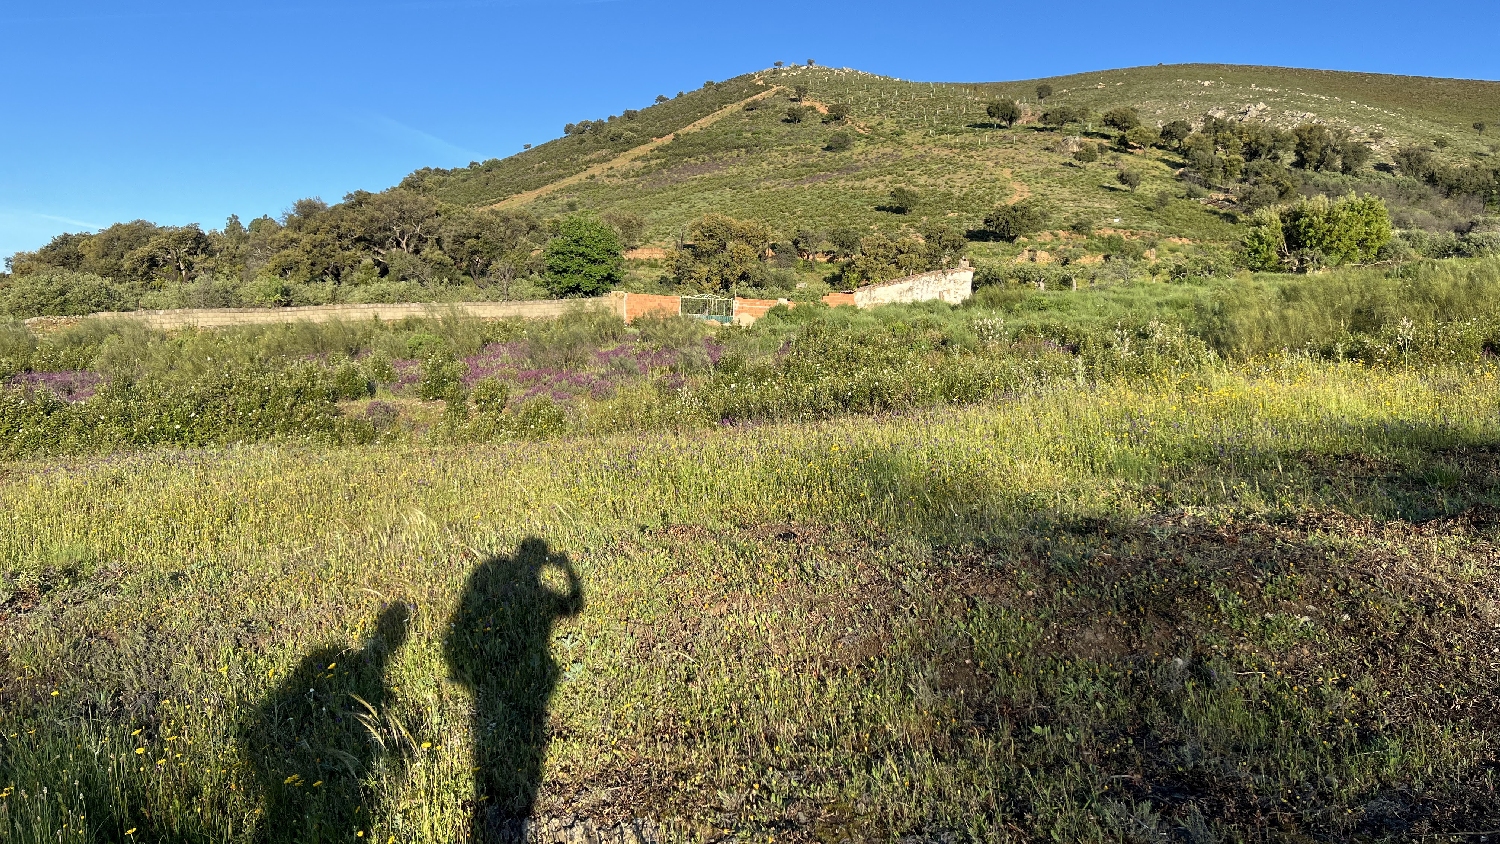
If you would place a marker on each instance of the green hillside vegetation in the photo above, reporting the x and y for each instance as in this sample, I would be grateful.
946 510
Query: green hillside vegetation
1145 173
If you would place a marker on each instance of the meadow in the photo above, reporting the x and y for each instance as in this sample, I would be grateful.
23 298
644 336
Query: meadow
1212 561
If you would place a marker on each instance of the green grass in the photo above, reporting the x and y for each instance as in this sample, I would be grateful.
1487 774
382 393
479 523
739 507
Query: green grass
1249 605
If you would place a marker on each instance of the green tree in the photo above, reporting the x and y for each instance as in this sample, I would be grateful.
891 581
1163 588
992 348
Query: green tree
1175 132
799 92
629 225
1129 178
1043 91
1414 162
1265 243
1317 232
172 254
721 253
796 113
1018 219
1060 116
837 113
583 259
838 142
903 199
1005 111
845 241
1479 126
1123 118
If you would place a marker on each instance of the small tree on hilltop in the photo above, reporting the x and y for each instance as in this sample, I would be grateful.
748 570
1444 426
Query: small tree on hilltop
584 258
1005 111
1043 91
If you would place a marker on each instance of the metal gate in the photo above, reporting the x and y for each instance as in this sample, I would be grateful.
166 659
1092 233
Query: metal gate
715 308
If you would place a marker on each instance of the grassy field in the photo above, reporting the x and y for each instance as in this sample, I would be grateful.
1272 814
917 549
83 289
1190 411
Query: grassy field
1247 603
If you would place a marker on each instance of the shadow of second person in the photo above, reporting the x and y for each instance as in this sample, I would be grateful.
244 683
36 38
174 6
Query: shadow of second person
499 646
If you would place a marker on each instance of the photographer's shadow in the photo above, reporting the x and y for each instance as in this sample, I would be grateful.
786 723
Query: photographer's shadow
499 646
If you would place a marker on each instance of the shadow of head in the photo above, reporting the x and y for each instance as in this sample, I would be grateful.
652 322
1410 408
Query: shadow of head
391 628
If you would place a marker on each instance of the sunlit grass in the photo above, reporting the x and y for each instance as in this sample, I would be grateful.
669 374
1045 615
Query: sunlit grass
866 627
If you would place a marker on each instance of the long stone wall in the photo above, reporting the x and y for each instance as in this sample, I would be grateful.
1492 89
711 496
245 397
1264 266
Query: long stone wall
951 286
224 317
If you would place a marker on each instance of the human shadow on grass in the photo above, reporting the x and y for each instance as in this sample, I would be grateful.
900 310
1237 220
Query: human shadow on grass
498 646
321 733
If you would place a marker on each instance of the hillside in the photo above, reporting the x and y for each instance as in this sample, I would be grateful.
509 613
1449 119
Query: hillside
1136 173
937 139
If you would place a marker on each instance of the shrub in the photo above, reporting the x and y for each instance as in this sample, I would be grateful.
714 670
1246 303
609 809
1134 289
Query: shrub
1087 153
1317 232
440 373
490 396
60 293
1018 219
838 142
1129 178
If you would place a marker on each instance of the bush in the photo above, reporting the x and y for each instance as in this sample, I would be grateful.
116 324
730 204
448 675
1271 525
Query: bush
838 142
17 345
60 293
440 374
1317 232
1018 219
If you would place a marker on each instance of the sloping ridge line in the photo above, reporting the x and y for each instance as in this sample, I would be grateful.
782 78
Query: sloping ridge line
631 154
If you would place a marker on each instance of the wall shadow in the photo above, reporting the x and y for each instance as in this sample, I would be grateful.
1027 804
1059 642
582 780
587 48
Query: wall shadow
311 743
498 646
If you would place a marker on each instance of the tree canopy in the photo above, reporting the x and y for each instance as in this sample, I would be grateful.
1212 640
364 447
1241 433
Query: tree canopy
583 259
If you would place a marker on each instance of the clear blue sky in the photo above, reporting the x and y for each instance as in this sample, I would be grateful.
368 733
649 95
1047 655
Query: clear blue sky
181 112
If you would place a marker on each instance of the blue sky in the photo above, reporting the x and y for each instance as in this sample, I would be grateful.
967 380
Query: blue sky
184 112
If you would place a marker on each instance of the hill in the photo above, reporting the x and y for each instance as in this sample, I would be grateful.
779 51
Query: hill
937 139
1151 170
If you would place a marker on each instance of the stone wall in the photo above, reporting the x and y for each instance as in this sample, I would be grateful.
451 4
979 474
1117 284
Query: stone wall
223 317
951 286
